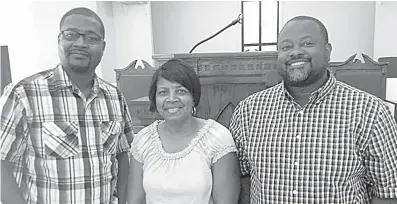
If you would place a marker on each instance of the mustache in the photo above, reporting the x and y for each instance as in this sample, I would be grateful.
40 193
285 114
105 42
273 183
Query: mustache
79 51
297 59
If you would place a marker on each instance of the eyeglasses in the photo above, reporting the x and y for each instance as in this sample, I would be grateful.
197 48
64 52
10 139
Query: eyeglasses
89 38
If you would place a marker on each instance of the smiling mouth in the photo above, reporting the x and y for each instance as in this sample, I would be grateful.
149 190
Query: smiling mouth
81 53
172 110
297 64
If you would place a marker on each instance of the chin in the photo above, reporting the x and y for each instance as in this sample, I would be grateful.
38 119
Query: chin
180 118
79 68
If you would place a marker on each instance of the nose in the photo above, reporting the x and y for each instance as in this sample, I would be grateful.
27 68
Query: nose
296 53
80 41
172 97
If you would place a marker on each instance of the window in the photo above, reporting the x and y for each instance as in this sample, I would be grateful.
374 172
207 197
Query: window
260 25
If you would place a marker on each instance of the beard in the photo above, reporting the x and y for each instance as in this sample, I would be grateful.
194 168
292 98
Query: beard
78 68
79 65
300 76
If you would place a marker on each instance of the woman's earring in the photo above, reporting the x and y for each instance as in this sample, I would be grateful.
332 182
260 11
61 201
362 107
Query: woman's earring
194 111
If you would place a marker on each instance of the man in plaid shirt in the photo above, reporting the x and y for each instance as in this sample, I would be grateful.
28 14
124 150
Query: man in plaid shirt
311 138
64 132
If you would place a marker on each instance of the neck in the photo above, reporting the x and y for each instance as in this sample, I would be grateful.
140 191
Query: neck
305 91
81 80
178 128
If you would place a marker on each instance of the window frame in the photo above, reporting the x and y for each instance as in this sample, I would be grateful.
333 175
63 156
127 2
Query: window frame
260 43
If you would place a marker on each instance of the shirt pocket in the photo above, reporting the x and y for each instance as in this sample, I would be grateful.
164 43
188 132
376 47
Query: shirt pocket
61 139
110 135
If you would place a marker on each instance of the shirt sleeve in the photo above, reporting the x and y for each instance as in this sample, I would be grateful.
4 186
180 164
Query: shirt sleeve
127 135
381 162
13 125
236 129
143 145
221 142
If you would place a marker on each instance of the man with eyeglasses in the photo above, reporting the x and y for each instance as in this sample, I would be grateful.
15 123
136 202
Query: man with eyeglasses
64 132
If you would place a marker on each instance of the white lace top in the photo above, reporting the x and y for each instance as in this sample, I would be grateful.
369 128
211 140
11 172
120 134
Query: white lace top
183 177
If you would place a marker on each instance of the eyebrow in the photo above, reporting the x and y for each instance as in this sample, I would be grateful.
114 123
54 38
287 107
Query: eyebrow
306 37
283 41
84 32
163 87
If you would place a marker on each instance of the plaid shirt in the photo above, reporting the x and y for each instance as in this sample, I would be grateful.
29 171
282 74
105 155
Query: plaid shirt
341 147
63 144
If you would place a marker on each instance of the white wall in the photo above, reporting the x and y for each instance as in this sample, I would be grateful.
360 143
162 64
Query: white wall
32 34
385 29
20 36
32 30
179 25
106 68
384 39
133 33
350 24
354 27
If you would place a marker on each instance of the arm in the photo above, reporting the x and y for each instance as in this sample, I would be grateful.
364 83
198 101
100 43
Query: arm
381 157
236 128
10 192
13 135
123 166
136 193
245 190
124 146
383 201
226 180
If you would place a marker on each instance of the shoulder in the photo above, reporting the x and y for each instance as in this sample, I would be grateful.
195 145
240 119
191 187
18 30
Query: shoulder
35 78
361 98
108 88
263 96
216 135
105 84
216 129
145 135
218 141
29 83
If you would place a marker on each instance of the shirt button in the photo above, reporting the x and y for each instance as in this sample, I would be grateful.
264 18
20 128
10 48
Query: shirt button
294 192
300 112
298 137
296 163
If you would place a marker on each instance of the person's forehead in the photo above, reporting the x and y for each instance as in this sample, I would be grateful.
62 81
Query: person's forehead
300 28
82 23
164 82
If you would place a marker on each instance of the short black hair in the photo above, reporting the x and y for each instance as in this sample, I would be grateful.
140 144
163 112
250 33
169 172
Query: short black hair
323 29
85 12
176 70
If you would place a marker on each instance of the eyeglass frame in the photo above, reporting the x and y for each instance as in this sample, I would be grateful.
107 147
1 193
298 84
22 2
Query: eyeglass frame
84 37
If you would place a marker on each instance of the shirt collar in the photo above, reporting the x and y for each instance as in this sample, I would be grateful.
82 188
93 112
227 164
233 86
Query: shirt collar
61 80
320 93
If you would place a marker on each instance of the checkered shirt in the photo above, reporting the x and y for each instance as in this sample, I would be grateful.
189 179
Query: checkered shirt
63 144
341 147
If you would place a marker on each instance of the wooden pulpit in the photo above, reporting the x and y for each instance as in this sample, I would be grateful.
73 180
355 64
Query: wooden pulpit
5 70
227 78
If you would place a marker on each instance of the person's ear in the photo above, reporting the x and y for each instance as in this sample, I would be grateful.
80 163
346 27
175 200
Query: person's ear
104 45
328 49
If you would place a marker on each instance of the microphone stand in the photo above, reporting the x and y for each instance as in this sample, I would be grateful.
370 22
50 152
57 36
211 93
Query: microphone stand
234 22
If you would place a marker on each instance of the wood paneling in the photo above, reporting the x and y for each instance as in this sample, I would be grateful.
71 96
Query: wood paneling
227 78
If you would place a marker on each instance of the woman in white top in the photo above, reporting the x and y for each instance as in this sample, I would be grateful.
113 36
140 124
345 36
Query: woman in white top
182 159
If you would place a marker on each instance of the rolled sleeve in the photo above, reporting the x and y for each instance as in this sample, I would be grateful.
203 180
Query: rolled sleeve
237 130
382 158
126 137
13 125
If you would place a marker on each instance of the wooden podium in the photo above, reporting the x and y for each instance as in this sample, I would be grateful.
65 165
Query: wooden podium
5 70
227 78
